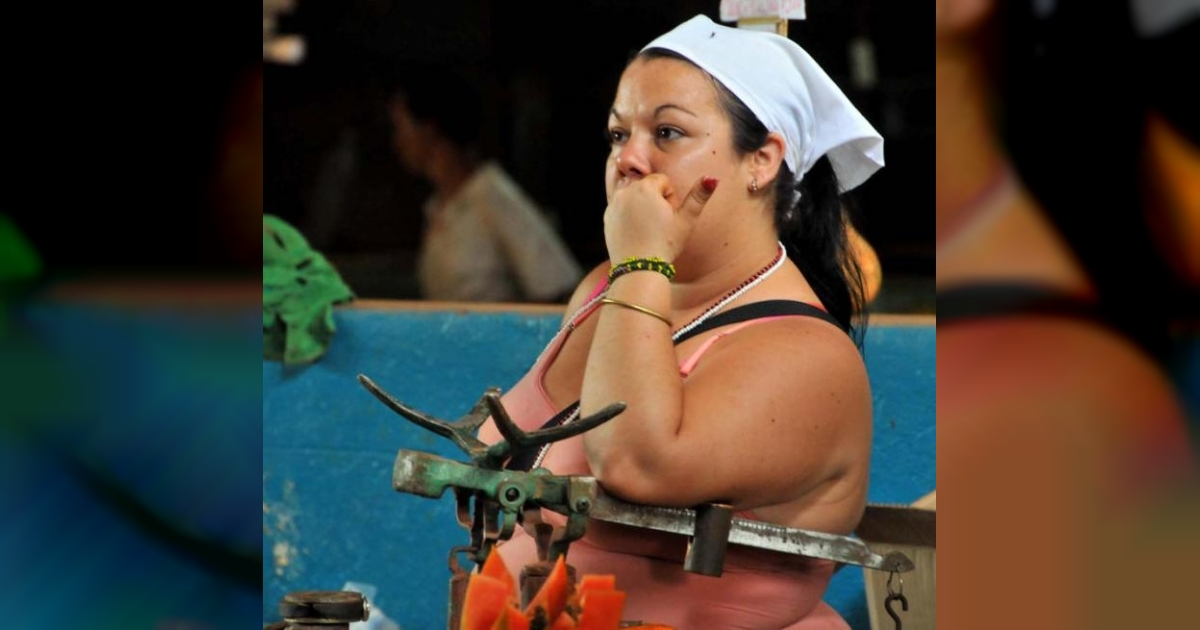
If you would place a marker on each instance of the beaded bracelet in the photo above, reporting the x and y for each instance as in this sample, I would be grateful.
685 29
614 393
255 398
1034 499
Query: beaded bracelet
641 264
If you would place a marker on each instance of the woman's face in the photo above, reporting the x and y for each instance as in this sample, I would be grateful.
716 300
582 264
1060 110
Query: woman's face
666 119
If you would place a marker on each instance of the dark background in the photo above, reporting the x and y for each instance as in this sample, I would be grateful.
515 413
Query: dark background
119 130
329 168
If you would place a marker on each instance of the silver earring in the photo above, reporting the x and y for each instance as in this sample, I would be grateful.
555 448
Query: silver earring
753 184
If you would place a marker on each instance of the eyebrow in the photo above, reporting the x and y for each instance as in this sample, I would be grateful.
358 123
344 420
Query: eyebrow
657 110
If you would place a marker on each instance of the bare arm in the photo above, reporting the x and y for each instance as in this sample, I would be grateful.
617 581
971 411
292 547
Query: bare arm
771 413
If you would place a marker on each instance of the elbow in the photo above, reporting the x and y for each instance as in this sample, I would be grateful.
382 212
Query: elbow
622 475
632 486
634 467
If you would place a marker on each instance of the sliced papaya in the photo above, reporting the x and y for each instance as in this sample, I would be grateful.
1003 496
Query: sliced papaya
601 610
552 597
563 622
511 619
494 567
594 582
484 602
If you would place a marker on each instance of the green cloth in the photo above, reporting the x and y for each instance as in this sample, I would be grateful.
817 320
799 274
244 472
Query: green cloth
300 288
20 268
18 260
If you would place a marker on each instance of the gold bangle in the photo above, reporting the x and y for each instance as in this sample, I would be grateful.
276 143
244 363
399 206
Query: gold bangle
640 309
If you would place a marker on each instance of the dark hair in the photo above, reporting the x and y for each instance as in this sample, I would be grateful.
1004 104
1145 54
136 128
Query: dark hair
813 229
450 99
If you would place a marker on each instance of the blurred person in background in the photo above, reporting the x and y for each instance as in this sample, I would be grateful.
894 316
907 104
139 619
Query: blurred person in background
484 238
1058 433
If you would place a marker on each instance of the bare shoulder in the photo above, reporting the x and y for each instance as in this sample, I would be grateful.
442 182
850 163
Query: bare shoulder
798 345
805 360
790 395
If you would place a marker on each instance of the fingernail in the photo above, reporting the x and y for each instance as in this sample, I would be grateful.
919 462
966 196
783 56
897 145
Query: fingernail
709 183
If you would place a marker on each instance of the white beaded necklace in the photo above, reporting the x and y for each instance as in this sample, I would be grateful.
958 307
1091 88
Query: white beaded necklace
737 292
746 285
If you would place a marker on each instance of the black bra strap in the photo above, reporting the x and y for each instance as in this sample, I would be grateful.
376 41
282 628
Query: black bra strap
757 310
981 301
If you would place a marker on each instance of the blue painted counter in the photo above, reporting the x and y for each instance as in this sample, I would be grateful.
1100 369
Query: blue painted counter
330 514
114 513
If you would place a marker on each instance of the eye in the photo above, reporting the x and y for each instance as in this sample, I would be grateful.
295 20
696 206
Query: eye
667 133
615 136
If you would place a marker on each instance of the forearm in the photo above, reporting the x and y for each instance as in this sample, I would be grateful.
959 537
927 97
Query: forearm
632 359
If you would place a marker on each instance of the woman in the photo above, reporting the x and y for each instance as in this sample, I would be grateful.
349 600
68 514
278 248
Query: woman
729 150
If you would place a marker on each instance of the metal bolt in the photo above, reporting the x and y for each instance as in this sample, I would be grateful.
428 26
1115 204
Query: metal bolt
512 494
582 505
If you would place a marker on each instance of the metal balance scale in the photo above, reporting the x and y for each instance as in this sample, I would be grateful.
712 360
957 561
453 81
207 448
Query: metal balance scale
491 501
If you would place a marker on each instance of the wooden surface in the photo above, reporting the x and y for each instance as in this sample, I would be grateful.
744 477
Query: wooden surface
912 530
920 588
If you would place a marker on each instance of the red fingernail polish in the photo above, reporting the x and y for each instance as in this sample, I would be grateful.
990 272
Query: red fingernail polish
709 183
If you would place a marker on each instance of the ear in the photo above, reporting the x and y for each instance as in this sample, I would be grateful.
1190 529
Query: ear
960 15
764 162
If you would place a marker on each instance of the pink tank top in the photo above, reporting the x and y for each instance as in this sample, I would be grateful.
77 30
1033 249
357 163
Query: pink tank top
758 589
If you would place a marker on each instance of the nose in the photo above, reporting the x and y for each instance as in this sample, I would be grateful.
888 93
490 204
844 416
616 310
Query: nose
633 159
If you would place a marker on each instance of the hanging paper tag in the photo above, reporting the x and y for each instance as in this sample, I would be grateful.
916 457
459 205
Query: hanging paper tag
740 10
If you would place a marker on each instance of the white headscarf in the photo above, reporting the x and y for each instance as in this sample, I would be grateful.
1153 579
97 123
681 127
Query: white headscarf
787 91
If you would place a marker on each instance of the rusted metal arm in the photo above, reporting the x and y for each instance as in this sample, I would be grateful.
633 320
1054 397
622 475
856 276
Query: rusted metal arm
462 432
